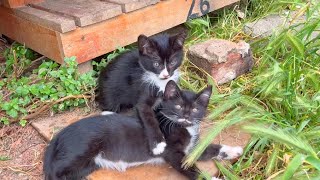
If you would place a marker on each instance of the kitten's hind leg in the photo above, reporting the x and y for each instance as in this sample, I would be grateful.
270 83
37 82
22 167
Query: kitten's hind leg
218 151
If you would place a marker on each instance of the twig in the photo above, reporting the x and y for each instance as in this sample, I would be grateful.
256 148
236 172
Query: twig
14 64
47 106
35 62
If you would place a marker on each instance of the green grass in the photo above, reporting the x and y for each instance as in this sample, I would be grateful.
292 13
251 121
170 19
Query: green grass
281 95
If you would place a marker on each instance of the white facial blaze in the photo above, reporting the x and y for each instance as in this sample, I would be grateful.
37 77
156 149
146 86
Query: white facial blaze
164 73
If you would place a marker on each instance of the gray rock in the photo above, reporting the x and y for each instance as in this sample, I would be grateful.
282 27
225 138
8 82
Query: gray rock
266 26
224 60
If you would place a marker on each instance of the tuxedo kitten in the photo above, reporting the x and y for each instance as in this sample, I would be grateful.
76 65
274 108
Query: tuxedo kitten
137 78
115 141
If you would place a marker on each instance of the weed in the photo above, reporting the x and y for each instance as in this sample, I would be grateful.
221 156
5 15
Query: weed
281 96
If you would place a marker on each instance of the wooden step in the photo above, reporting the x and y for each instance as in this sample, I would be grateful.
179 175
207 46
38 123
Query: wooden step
103 26
84 12
132 5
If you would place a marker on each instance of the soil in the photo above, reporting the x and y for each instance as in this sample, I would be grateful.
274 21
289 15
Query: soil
21 152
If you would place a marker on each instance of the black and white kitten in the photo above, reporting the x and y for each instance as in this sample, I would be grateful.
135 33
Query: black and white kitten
117 142
134 79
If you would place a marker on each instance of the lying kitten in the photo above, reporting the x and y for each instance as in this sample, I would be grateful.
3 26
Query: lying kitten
117 142
136 78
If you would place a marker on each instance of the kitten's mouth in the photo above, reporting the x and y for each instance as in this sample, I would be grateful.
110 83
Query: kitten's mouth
163 78
184 121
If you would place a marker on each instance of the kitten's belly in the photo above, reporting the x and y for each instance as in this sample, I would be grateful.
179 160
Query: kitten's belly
122 165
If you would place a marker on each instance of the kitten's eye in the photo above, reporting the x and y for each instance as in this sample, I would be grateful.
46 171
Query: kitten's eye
172 63
156 64
194 110
177 106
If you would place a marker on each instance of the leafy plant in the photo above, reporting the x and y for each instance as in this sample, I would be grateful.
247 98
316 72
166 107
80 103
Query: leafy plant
281 97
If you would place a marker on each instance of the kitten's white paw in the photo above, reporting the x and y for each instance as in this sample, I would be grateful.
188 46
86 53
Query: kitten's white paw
159 148
215 178
229 152
105 113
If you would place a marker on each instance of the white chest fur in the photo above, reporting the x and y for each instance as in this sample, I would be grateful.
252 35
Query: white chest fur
154 80
122 165
194 133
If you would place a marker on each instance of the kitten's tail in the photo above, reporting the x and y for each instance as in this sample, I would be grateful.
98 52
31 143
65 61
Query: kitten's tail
48 163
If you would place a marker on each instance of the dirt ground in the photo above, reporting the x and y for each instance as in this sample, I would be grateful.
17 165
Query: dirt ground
21 152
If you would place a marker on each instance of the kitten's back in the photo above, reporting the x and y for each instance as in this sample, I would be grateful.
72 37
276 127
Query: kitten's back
121 76
83 140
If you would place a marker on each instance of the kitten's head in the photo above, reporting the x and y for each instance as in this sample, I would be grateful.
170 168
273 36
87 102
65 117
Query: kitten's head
161 54
184 107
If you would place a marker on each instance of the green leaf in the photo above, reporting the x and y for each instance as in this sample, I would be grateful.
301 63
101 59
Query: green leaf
4 158
5 120
293 165
42 71
23 122
313 161
296 43
13 113
6 106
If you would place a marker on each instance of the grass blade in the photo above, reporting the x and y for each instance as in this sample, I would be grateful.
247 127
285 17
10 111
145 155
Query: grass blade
296 43
282 136
226 172
272 162
294 164
314 162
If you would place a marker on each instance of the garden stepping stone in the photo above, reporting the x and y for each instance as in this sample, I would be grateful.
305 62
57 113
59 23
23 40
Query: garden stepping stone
266 26
223 60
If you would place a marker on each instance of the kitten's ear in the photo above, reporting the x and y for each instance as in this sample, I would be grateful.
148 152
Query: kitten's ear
171 90
204 96
145 45
177 41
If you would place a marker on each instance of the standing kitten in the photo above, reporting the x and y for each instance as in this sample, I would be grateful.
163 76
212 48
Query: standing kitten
117 142
137 77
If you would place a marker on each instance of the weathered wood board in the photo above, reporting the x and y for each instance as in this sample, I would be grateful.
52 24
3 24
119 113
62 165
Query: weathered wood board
103 25
122 30
132 5
36 37
18 3
47 19
85 12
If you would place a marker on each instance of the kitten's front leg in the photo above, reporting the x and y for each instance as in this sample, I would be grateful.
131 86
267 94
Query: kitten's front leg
175 159
154 135
221 152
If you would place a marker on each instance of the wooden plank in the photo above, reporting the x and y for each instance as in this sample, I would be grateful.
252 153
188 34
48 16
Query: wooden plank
19 3
89 42
38 38
132 5
84 12
46 19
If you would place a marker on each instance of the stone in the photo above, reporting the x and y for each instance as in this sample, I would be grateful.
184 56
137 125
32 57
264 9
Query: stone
223 60
275 22
85 67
